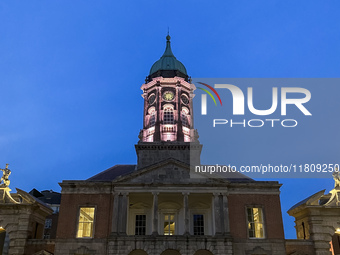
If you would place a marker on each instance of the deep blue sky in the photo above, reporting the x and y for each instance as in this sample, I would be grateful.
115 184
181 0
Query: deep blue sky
71 71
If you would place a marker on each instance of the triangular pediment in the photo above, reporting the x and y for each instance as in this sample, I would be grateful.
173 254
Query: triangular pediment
43 252
169 171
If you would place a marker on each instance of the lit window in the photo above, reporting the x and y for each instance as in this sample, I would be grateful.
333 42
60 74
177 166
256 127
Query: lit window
169 224
198 224
48 223
168 116
85 223
255 223
140 228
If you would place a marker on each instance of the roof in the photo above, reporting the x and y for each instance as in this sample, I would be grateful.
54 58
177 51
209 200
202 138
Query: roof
168 61
47 196
113 172
116 171
317 194
30 198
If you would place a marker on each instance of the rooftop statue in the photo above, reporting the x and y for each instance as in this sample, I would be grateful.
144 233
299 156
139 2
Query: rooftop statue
335 196
336 177
4 181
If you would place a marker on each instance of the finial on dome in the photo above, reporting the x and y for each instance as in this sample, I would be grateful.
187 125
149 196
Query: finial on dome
168 36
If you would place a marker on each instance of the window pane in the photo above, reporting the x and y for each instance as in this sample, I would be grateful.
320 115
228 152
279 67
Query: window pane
48 223
255 223
198 224
140 228
85 222
250 214
152 119
184 119
169 224
168 116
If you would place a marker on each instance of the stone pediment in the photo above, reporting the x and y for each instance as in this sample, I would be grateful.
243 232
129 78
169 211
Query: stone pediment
169 171
43 252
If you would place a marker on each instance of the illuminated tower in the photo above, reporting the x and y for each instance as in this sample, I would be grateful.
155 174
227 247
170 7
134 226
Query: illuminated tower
168 111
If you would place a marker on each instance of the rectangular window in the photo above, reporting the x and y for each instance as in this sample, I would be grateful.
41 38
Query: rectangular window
48 223
198 224
85 222
169 224
140 227
255 222
168 116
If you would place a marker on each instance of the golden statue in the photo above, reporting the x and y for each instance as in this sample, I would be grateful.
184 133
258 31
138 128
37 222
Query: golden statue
5 174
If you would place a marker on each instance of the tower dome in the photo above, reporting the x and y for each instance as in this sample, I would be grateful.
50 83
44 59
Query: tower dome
168 66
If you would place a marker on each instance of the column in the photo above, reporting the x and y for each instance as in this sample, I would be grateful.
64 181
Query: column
115 213
123 211
186 213
155 213
225 213
217 213
180 135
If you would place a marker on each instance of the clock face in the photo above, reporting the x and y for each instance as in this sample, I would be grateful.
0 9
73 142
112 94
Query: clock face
168 96
185 99
151 99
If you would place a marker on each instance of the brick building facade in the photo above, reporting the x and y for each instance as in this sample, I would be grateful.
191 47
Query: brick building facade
157 206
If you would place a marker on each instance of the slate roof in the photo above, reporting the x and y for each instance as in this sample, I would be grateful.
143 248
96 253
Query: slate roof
121 170
113 172
47 196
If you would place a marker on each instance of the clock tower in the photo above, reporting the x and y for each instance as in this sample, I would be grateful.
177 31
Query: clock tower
168 128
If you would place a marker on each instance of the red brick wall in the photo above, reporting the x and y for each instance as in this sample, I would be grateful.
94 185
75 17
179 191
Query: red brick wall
53 230
69 213
271 212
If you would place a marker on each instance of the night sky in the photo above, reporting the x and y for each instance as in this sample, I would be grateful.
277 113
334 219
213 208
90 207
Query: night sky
71 71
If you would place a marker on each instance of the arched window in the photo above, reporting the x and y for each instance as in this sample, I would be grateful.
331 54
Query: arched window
152 116
168 117
152 119
184 117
